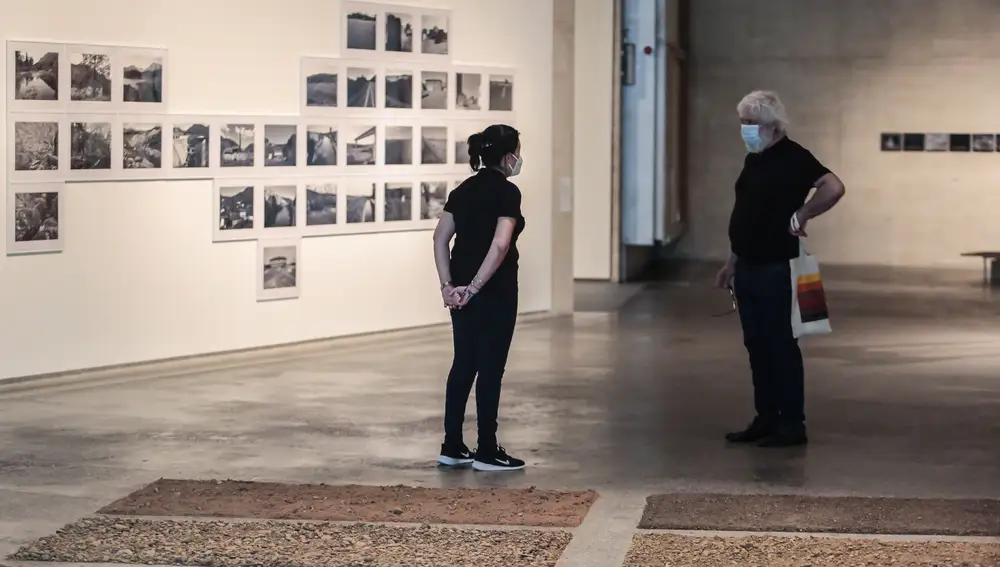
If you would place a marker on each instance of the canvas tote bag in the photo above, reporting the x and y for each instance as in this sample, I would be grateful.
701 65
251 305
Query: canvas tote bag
809 313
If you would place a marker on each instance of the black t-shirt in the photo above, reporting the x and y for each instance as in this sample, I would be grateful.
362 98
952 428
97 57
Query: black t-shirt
772 186
477 204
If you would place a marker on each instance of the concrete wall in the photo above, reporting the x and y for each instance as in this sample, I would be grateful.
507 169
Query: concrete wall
848 70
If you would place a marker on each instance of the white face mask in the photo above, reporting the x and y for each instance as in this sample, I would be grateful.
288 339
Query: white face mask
753 138
516 168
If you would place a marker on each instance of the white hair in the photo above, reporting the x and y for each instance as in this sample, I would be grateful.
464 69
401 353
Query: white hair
764 107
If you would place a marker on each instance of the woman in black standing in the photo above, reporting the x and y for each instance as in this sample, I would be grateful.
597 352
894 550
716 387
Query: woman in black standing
479 284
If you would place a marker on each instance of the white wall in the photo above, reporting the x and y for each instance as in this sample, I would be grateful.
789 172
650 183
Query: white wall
140 278
847 71
595 80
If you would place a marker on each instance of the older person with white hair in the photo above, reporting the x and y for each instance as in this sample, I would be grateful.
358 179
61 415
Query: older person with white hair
771 212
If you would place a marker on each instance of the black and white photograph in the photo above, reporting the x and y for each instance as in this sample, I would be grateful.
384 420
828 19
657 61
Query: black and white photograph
399 145
360 201
936 142
984 143
361 88
462 133
434 145
279 206
434 90
36 146
468 91
321 145
321 204
33 219
36 73
892 142
236 203
913 142
142 145
433 195
398 201
280 145
278 272
360 144
361 29
190 145
321 77
90 145
399 32
501 93
89 76
236 145
142 78
398 89
434 34
960 142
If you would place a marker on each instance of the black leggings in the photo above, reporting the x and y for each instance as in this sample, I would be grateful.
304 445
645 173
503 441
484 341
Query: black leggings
482 331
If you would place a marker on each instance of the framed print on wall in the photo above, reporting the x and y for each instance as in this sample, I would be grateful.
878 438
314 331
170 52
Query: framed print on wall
435 25
143 74
37 75
319 145
279 274
281 145
433 195
34 218
94 140
277 204
360 143
360 30
398 148
235 210
400 89
434 147
237 147
93 84
142 147
321 82
37 147
320 206
189 146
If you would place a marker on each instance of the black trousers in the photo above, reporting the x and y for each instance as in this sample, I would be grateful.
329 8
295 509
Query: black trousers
764 296
482 331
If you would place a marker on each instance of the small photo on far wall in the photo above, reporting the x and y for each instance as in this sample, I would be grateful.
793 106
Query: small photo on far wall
892 142
936 142
984 143
913 142
960 142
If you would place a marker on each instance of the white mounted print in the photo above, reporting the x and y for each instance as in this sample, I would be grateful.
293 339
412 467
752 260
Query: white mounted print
36 146
360 142
34 222
278 206
399 31
92 81
278 272
433 145
433 195
434 90
320 85
142 146
321 144
434 33
93 141
321 206
398 201
398 145
143 76
399 89
35 77
469 93
359 201
362 91
235 206
237 144
501 93
281 145
361 26
191 145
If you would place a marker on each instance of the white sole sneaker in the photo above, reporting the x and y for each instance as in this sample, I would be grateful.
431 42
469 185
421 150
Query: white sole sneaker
486 467
453 462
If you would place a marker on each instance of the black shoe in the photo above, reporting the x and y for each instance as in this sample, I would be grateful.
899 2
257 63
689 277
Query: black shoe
785 437
456 456
756 431
496 460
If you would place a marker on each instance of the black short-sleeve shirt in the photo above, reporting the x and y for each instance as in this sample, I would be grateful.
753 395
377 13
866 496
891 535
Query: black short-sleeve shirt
476 205
772 186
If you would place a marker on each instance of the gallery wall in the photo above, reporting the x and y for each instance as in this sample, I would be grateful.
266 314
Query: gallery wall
139 277
849 71
595 82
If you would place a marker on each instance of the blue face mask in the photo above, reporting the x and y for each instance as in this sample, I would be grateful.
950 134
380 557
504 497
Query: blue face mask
752 137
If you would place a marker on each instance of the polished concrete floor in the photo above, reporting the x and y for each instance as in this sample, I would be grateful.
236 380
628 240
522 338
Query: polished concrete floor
629 396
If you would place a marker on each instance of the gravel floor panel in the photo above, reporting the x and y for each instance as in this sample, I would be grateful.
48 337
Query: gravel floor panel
662 550
353 503
286 544
817 514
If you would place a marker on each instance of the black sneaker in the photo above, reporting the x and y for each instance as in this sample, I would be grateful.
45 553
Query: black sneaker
456 456
496 460
756 431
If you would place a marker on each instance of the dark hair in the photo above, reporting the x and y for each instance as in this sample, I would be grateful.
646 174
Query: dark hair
488 148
